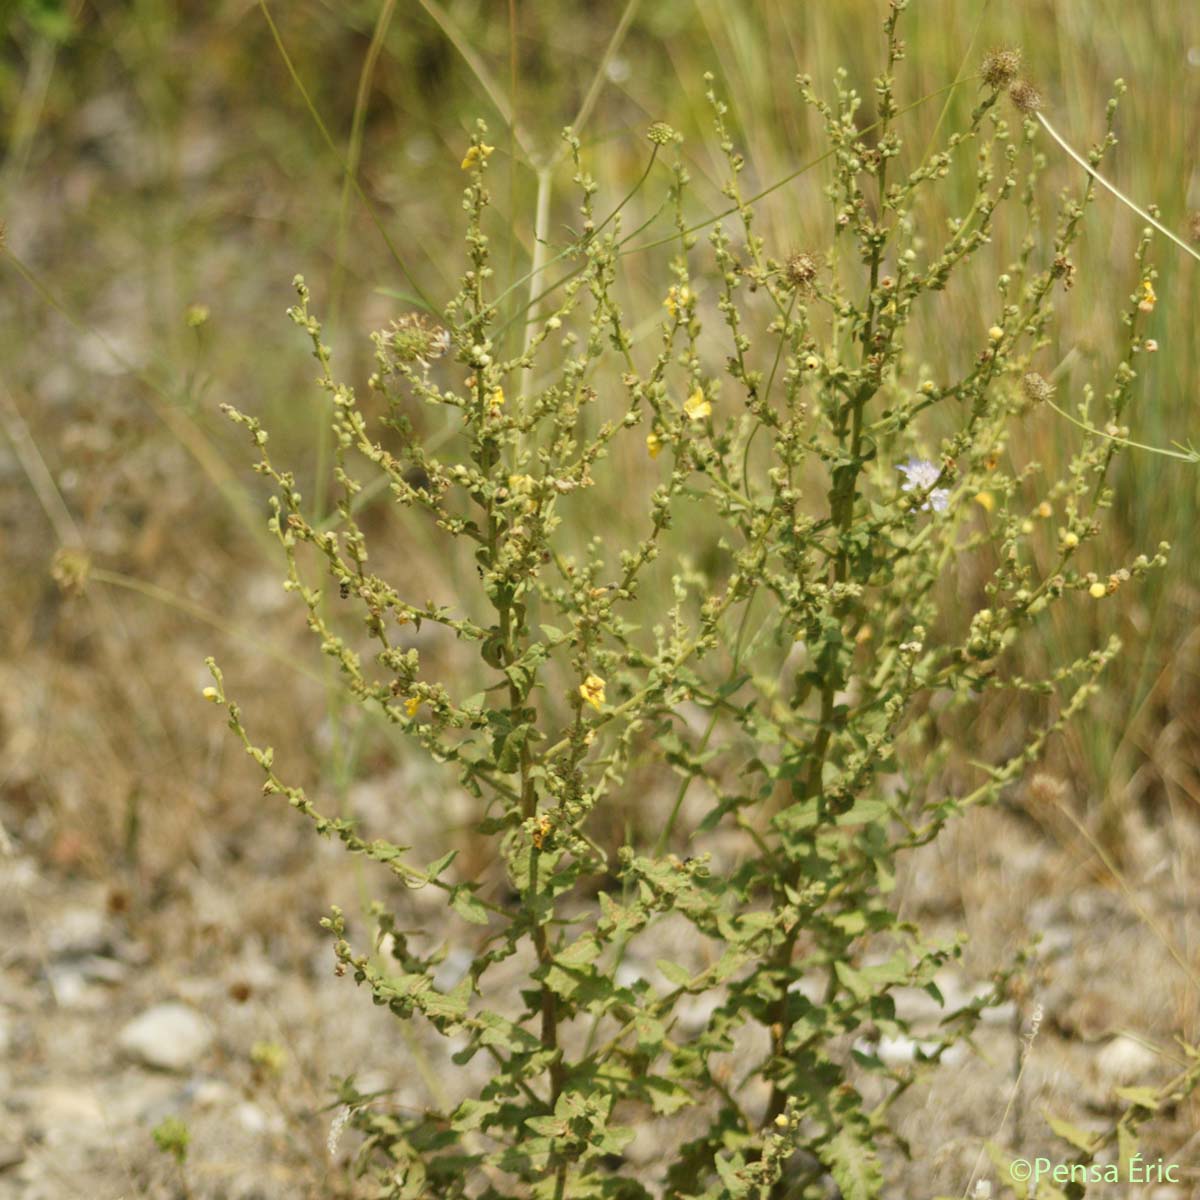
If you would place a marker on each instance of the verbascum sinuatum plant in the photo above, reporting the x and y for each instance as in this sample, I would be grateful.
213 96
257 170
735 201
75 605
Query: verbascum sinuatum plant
836 553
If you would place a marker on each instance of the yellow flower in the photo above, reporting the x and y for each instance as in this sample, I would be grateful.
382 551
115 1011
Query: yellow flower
592 690
411 705
996 333
653 445
1097 591
986 501
1149 299
1044 510
696 406
542 831
677 298
476 154
520 484
496 400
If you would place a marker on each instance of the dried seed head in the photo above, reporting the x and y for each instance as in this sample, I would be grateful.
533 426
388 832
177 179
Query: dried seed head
661 134
1037 389
70 570
1025 96
1046 789
801 270
415 339
1001 67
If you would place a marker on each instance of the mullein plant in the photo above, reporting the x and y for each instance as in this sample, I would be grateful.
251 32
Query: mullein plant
786 416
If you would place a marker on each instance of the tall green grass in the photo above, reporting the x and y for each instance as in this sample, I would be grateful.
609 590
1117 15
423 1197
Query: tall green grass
214 183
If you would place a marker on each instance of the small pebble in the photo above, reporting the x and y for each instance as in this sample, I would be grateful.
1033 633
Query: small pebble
1125 1061
168 1037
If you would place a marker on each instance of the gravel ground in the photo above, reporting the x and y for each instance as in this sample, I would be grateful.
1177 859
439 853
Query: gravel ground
217 1006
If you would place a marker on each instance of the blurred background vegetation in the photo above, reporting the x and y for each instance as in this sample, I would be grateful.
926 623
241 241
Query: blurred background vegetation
163 178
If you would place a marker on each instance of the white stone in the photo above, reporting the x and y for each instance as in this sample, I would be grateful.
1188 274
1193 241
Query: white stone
64 1110
254 1120
999 1014
211 1093
896 1051
628 974
452 968
1125 1061
695 1012
79 932
1057 940
71 989
169 1037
